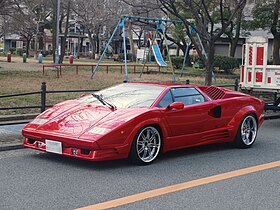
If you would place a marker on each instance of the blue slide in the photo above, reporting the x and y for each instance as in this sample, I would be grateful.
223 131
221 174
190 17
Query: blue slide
158 55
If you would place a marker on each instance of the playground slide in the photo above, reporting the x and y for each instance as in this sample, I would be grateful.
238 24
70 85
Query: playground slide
158 55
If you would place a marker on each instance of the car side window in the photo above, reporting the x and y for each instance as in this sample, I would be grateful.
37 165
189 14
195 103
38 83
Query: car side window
187 95
166 100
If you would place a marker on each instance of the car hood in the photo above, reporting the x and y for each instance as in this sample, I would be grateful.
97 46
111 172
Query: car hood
74 119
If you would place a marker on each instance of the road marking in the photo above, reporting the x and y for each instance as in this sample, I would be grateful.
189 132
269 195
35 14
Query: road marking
182 186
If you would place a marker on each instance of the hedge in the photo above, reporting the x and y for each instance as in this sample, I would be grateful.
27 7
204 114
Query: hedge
228 64
177 61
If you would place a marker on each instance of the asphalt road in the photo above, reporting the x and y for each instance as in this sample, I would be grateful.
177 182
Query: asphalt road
35 180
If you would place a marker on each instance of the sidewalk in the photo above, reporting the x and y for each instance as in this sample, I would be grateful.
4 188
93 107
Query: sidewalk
10 137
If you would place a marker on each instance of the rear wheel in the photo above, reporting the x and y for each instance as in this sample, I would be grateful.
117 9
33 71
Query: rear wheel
247 132
146 146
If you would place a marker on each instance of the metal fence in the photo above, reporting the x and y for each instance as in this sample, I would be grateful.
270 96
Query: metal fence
42 106
43 95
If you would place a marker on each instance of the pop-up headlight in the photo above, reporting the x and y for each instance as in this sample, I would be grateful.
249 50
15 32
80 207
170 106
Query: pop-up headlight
99 130
39 121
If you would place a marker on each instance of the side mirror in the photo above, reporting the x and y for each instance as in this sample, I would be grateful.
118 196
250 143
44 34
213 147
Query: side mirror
176 105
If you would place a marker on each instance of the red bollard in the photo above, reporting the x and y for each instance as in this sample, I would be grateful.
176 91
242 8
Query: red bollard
9 57
71 59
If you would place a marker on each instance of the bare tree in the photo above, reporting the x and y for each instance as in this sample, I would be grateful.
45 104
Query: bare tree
27 18
234 30
266 16
143 8
98 17
65 15
208 29
6 6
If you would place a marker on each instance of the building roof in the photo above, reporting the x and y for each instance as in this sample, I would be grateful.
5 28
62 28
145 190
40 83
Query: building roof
12 37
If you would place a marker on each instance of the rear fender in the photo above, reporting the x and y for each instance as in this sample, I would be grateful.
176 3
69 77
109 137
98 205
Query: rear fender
236 120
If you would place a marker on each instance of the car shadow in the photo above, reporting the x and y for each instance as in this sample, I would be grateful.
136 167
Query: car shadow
87 164
197 151
125 163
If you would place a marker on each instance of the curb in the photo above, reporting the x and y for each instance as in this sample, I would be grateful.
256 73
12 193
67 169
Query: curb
8 147
25 117
271 117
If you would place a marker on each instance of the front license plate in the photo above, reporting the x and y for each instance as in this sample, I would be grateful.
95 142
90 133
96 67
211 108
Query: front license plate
54 146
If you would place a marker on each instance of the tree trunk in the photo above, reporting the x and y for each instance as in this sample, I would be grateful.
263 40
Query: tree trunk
177 51
139 39
276 34
209 64
234 40
188 60
276 47
130 37
79 47
27 46
97 45
41 38
62 49
63 39
93 44
233 46
54 30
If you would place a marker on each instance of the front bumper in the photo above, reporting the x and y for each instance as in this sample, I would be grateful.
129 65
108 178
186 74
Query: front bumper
91 152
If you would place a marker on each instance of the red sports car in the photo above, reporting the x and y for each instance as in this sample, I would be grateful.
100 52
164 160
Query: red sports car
141 120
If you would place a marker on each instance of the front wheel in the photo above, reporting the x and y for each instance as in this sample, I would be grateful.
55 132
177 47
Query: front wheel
146 146
247 132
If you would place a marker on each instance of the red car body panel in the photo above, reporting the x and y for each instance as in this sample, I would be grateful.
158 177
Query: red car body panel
213 121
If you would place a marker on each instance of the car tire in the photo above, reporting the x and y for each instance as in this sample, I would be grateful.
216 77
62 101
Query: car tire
146 146
247 132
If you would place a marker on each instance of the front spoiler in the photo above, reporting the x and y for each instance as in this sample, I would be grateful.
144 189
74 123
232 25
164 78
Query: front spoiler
76 151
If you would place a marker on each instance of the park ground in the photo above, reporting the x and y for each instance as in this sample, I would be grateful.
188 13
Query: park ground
19 77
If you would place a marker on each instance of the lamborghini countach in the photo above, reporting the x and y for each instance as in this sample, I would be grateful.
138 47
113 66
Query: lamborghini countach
141 120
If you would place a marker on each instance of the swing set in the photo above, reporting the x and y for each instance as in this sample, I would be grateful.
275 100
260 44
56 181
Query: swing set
153 47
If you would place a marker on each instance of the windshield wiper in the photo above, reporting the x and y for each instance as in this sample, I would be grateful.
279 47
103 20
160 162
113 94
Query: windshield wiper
104 102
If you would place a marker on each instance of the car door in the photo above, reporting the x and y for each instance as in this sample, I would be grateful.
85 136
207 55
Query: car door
192 119
187 124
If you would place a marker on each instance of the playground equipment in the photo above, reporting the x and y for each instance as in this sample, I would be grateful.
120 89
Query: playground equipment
256 74
158 55
155 48
156 51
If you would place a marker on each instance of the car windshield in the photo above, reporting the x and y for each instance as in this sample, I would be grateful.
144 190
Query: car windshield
127 95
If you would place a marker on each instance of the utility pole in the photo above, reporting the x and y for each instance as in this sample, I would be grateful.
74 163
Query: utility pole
4 38
36 40
57 32
75 32
38 10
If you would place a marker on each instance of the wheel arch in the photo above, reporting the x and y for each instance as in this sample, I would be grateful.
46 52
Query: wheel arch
134 154
156 122
236 120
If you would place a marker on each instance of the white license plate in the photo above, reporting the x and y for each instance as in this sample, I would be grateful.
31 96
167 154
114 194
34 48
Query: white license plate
54 146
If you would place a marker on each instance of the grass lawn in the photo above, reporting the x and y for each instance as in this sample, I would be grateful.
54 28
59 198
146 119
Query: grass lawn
18 77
